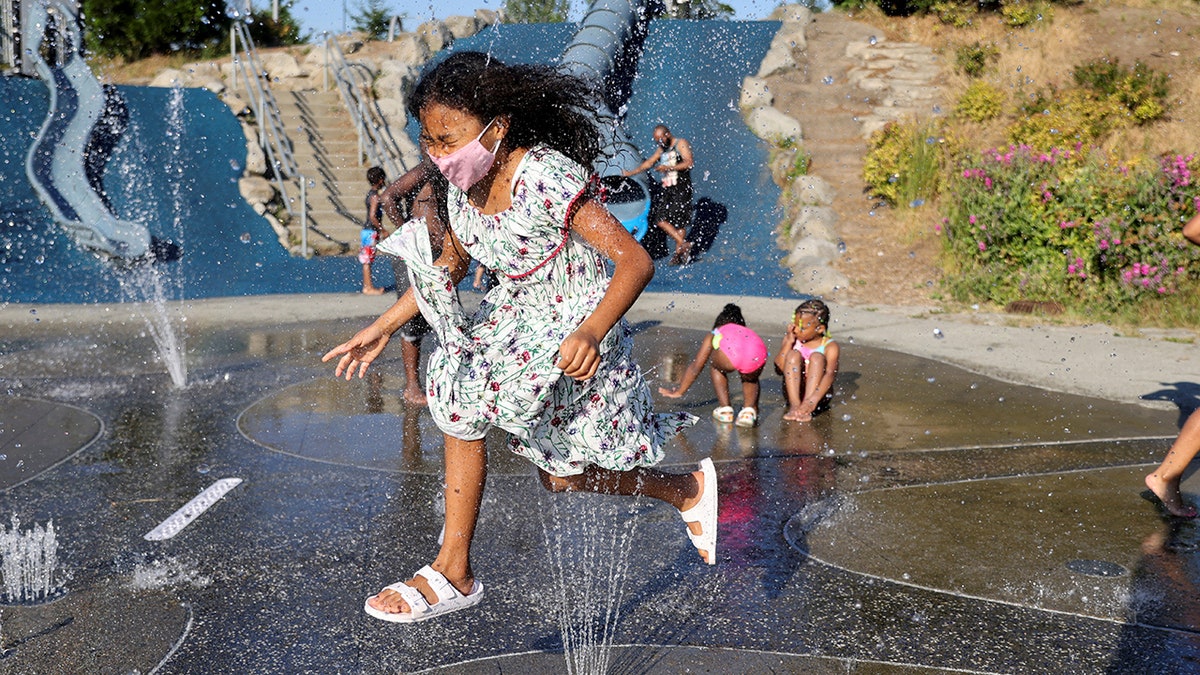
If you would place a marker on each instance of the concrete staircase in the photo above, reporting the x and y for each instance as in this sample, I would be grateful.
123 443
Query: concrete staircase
326 149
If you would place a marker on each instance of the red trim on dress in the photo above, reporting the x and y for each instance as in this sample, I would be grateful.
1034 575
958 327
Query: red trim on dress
566 235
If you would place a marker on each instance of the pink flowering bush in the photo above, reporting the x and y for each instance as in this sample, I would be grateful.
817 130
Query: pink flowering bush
1070 225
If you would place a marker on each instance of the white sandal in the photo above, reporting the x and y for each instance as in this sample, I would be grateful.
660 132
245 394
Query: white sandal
705 513
748 417
723 414
449 599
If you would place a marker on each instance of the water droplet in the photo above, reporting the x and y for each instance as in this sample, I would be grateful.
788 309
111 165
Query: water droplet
974 386
871 213
931 380
670 305
846 417
915 203
40 259
841 246
937 110
828 79
245 237
203 469
872 39
937 333
1001 399
33 311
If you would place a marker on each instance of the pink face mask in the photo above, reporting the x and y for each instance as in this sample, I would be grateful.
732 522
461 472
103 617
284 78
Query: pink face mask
466 165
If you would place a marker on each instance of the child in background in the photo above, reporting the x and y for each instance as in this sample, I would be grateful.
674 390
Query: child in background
808 361
731 347
372 228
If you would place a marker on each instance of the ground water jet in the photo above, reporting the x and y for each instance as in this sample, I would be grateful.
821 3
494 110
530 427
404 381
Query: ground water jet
29 562
588 552
146 283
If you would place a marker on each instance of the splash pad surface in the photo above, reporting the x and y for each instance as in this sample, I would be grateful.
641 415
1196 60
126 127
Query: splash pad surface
845 542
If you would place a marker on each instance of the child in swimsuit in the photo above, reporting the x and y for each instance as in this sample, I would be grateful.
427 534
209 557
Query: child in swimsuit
807 360
732 347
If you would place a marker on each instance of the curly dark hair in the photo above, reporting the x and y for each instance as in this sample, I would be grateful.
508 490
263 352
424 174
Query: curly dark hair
545 106
730 313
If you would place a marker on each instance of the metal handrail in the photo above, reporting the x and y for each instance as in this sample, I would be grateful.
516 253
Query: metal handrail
272 132
374 140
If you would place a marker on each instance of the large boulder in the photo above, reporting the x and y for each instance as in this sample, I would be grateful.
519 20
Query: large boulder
791 14
168 78
755 93
256 189
811 189
411 49
821 280
463 26
810 223
282 65
488 17
772 125
435 34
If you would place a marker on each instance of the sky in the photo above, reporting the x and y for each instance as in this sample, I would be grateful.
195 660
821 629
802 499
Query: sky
316 16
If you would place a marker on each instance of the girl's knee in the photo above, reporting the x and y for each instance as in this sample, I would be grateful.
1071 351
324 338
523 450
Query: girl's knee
554 483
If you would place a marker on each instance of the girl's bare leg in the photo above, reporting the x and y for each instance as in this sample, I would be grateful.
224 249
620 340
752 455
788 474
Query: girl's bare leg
369 286
411 354
721 385
812 378
680 490
750 389
793 380
466 473
682 245
1164 482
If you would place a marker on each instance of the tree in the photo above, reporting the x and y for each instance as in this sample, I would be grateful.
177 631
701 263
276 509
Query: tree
372 17
698 9
536 11
267 32
135 29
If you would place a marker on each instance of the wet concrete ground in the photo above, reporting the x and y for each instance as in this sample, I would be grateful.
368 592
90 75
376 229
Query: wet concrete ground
933 520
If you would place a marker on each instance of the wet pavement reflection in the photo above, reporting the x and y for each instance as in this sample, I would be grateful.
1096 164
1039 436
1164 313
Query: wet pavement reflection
931 520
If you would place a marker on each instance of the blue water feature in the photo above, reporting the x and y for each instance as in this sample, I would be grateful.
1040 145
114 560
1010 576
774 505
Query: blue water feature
184 188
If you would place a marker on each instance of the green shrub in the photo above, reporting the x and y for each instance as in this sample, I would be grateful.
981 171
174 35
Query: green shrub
1072 226
980 102
903 162
1077 116
800 165
974 58
1019 13
1141 90
957 14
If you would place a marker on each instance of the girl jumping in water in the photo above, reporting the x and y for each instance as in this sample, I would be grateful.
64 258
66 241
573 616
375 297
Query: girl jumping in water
547 356
732 347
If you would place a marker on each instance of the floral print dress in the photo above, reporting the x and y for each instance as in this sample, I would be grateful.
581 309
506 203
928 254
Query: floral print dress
496 368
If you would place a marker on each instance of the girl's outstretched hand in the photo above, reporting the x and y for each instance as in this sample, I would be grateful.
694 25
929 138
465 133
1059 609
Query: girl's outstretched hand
359 351
579 355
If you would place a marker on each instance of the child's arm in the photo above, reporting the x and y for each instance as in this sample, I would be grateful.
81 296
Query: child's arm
646 164
827 378
692 372
402 186
358 352
633 269
789 342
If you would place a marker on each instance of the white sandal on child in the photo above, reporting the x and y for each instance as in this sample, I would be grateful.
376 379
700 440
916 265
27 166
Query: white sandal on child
705 513
449 599
723 414
748 417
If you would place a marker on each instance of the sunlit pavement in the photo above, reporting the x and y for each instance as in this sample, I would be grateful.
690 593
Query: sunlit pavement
935 519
